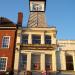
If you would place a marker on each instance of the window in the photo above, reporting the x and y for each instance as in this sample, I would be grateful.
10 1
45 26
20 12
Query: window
3 63
69 62
47 39
23 64
5 41
36 39
25 39
48 62
35 62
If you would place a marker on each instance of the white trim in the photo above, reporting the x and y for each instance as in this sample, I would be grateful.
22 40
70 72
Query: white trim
6 63
8 42
7 27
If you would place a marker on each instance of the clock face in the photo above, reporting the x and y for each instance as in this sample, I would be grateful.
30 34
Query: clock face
36 6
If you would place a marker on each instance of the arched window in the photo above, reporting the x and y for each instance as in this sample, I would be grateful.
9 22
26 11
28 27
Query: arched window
69 62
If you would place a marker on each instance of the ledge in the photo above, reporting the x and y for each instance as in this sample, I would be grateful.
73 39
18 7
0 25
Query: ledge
37 47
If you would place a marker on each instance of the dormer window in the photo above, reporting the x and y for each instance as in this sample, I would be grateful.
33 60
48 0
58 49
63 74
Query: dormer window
5 41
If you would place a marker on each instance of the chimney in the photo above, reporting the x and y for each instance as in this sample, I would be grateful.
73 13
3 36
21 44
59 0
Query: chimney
20 19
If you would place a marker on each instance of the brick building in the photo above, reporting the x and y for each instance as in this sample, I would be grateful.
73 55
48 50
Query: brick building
7 45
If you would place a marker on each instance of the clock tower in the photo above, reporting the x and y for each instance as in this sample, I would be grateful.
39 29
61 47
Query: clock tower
37 13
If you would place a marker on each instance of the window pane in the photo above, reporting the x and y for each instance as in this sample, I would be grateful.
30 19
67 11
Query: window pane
47 39
69 62
23 63
25 39
2 63
48 62
36 39
5 41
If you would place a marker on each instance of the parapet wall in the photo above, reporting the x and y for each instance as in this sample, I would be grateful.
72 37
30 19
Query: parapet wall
66 44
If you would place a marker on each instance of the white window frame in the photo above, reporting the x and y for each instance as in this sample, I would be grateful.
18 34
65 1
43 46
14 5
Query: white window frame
8 42
36 39
6 63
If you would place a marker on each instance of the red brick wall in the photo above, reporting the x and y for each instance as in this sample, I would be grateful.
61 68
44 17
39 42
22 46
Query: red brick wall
8 52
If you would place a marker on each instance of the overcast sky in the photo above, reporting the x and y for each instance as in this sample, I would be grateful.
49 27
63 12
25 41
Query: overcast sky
59 13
